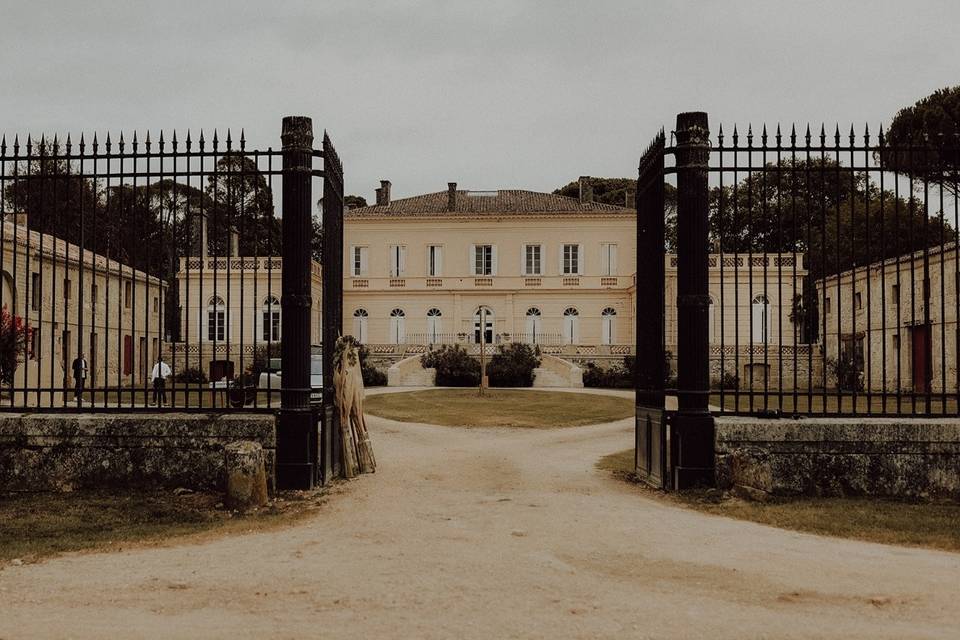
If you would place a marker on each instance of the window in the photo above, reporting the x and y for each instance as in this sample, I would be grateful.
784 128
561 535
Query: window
35 293
270 320
398 260
127 294
570 260
216 319
433 326
397 326
434 260
608 254
35 344
826 305
483 325
156 304
358 265
483 259
360 317
607 318
532 260
895 294
534 331
93 294
858 300
896 342
760 317
571 326
67 289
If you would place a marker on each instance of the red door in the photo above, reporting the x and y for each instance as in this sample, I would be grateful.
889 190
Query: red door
920 338
127 355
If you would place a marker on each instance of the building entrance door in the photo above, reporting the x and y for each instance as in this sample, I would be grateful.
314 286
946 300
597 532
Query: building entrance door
484 315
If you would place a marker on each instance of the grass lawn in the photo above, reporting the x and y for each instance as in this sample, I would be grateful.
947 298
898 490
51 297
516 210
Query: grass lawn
499 408
36 525
934 525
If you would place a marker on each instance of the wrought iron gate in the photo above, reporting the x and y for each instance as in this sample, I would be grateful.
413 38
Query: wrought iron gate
652 433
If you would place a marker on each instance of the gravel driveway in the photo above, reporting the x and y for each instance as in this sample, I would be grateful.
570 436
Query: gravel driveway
493 533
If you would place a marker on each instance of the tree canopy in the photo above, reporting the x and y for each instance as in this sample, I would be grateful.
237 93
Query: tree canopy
923 141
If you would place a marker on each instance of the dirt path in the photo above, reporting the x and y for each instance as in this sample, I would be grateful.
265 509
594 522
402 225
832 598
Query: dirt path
494 534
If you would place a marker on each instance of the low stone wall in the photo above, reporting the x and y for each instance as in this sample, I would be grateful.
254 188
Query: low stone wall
43 452
835 456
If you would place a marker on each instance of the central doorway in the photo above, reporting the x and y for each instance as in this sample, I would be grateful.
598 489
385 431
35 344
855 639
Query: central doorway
484 315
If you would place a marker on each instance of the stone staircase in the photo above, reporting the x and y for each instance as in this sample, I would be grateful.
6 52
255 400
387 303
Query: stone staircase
557 372
409 373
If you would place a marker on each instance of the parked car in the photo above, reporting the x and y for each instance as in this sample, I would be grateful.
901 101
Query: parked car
272 377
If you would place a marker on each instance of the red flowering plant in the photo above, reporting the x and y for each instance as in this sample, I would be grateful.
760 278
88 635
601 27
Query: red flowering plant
14 342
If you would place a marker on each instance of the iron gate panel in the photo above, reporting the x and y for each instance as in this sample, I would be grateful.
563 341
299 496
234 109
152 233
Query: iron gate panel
649 368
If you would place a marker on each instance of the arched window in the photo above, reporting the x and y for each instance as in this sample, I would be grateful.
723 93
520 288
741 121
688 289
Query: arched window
571 326
534 330
608 329
433 326
484 315
398 331
270 320
360 325
216 319
760 317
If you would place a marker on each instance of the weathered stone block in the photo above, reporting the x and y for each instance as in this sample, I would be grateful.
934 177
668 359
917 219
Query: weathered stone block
246 476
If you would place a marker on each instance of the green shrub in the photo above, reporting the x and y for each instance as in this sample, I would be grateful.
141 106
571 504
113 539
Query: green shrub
728 382
191 375
512 365
455 367
617 376
372 377
261 359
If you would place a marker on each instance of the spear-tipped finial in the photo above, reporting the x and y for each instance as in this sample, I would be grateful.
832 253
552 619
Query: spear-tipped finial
3 145
69 144
749 135
161 140
880 136
148 140
202 141
736 136
243 138
229 140
836 135
16 144
793 134
216 140
866 134
720 136
108 143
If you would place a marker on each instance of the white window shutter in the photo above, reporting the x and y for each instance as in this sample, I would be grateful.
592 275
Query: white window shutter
472 260
523 260
580 259
613 260
493 260
363 261
561 259
438 260
352 258
403 261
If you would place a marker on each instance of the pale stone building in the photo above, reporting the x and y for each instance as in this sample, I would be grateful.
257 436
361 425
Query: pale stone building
897 319
77 301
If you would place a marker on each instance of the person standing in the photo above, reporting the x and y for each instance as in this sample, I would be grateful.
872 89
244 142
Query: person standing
159 377
80 370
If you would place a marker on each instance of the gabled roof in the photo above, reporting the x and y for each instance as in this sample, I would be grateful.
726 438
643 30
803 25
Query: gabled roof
487 203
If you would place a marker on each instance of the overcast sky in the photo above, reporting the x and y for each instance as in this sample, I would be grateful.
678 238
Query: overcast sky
488 94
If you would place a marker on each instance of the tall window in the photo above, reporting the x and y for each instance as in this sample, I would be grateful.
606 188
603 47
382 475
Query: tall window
433 326
216 319
398 260
608 329
483 325
358 264
67 288
760 316
571 326
270 320
360 317
127 294
398 333
532 260
570 260
534 332
483 260
35 291
608 255
434 260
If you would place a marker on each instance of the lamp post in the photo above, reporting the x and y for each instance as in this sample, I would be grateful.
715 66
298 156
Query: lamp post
483 341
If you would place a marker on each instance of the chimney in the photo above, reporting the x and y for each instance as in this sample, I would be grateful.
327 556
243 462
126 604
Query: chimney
197 226
385 191
586 190
451 196
379 192
630 199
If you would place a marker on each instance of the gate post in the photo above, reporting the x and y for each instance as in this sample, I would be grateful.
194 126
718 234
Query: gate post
297 425
693 435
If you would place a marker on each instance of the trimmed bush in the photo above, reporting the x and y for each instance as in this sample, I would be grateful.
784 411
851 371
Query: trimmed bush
512 365
618 376
191 375
455 367
372 377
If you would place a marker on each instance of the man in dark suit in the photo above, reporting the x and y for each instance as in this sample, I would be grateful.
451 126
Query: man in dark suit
80 370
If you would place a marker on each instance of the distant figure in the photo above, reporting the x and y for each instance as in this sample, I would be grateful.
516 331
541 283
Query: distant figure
159 377
80 370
